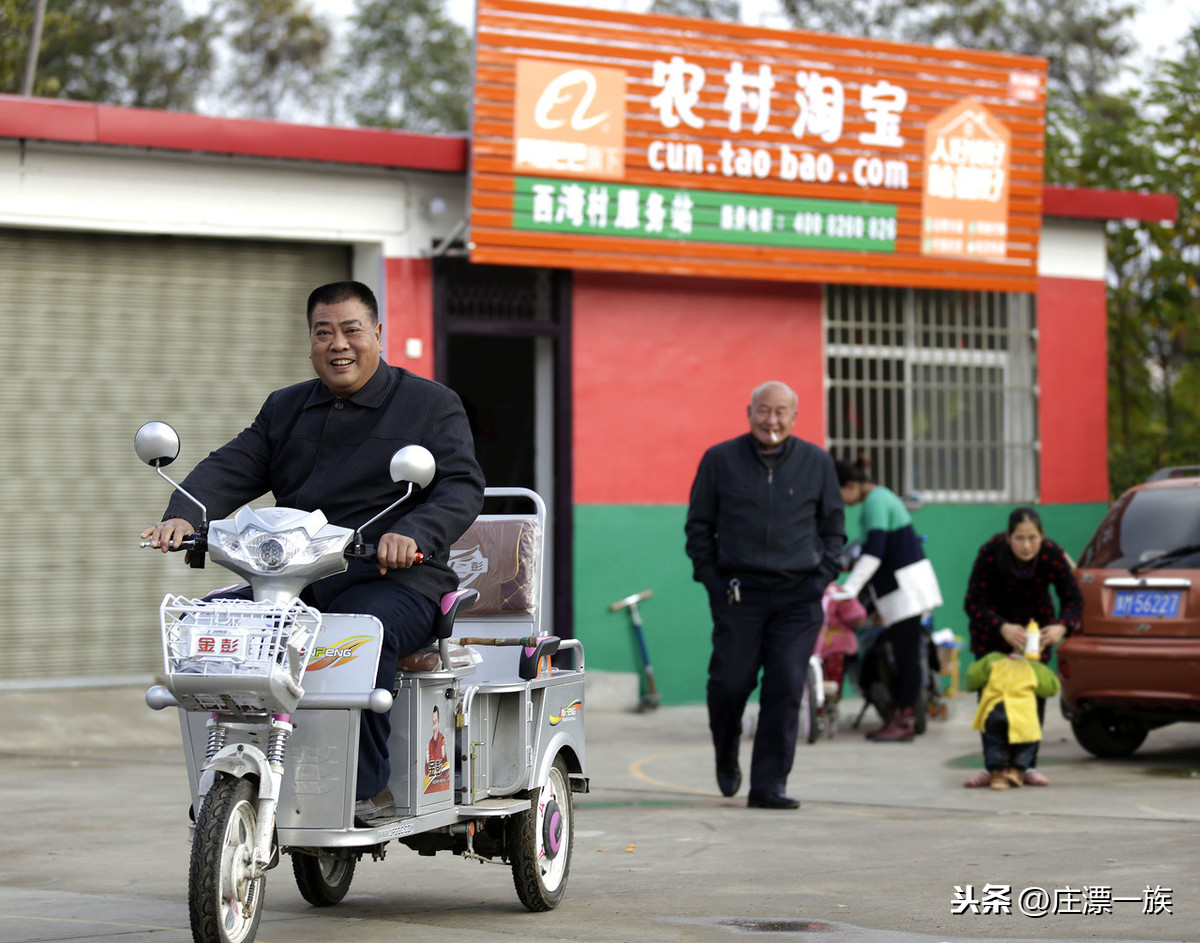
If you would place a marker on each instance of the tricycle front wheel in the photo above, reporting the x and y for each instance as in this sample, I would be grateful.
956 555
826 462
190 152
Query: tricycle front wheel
225 899
540 841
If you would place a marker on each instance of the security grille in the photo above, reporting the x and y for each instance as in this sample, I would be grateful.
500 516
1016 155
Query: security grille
111 331
935 390
496 292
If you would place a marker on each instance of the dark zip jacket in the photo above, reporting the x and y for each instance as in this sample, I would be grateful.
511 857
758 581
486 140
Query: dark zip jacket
313 450
784 522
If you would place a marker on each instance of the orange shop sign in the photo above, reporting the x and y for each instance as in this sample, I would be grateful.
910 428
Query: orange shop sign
965 207
617 141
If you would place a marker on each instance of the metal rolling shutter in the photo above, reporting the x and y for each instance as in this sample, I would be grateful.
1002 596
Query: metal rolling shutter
105 332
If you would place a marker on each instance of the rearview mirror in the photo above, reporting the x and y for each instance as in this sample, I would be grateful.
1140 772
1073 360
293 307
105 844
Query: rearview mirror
157 444
413 463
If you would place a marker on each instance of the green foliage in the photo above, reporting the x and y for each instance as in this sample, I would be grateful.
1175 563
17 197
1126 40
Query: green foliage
145 53
280 53
1149 139
408 66
726 11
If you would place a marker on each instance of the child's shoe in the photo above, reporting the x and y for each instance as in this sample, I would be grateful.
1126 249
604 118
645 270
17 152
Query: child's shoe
999 779
1015 778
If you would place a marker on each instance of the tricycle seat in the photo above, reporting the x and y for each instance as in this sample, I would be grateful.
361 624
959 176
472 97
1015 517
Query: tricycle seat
501 558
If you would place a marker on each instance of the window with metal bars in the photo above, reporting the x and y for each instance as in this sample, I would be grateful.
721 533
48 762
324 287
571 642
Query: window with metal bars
934 392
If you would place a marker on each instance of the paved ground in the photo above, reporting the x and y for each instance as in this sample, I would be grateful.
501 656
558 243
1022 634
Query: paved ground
93 841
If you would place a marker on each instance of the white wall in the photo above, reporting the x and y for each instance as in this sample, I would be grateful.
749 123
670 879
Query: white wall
1072 248
129 190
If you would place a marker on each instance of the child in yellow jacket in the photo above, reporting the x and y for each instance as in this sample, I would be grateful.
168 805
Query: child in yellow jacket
1007 714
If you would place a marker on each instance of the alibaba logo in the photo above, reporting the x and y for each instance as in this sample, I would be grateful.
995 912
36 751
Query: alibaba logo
339 653
569 120
560 91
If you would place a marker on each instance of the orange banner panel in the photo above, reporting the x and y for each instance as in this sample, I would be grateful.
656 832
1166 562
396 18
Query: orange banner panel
633 142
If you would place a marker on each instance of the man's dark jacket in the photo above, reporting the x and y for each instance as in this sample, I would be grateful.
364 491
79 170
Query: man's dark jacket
749 518
314 451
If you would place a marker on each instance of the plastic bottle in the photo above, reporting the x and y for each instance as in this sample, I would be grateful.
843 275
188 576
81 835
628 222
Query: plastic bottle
1033 648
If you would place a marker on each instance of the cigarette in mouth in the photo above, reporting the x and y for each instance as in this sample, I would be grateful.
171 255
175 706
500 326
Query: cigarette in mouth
774 436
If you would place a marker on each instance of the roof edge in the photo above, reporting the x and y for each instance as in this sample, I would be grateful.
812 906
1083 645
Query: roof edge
1085 203
50 119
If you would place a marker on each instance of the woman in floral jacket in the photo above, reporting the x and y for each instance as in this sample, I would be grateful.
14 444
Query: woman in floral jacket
1009 588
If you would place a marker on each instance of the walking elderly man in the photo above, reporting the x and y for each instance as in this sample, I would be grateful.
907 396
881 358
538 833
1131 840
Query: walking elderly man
765 528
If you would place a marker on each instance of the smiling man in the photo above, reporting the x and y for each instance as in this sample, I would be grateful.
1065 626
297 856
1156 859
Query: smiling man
326 444
765 527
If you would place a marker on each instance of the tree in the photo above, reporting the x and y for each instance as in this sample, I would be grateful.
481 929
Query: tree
1088 42
726 11
408 66
280 57
145 53
1148 138
1172 312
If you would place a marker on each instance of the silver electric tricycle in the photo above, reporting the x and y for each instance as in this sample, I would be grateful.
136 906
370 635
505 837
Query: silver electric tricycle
487 742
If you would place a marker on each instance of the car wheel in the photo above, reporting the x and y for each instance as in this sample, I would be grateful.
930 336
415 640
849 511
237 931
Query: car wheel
1105 734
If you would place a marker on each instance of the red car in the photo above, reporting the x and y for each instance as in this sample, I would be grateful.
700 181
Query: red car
1135 662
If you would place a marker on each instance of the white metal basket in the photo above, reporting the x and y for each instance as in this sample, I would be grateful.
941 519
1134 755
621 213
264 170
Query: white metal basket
236 655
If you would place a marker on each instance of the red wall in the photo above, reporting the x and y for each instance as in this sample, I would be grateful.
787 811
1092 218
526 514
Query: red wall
408 312
664 367
1073 381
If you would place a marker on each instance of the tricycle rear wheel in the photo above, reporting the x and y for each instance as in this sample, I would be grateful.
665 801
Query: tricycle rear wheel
323 875
540 841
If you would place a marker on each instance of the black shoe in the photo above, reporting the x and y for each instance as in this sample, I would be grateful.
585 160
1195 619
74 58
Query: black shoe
730 780
767 800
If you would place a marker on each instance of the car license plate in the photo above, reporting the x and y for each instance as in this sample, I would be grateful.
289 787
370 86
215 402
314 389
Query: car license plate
1147 603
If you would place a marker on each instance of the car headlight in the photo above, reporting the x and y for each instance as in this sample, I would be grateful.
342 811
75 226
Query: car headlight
271 552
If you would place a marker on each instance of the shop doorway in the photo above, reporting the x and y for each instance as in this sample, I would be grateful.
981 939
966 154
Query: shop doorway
502 342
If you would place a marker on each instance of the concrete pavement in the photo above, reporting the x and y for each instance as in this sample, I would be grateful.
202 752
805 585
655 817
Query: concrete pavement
93 842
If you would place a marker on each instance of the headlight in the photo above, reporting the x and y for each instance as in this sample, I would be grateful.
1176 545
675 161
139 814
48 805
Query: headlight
271 552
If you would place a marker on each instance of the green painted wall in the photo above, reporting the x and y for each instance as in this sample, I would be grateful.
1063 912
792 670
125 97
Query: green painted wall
623 549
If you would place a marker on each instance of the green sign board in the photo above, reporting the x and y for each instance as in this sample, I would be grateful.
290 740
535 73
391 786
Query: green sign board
616 209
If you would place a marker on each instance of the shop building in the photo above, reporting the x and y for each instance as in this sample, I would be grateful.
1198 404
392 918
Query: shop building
156 267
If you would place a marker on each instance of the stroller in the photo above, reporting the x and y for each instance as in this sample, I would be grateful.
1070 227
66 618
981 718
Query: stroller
876 671
836 646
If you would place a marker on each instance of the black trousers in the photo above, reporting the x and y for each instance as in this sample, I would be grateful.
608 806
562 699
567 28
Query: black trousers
1041 712
773 629
407 619
905 637
998 753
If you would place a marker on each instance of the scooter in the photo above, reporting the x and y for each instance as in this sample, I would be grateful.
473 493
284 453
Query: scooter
269 693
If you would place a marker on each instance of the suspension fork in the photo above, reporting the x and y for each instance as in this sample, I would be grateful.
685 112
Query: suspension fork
244 759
